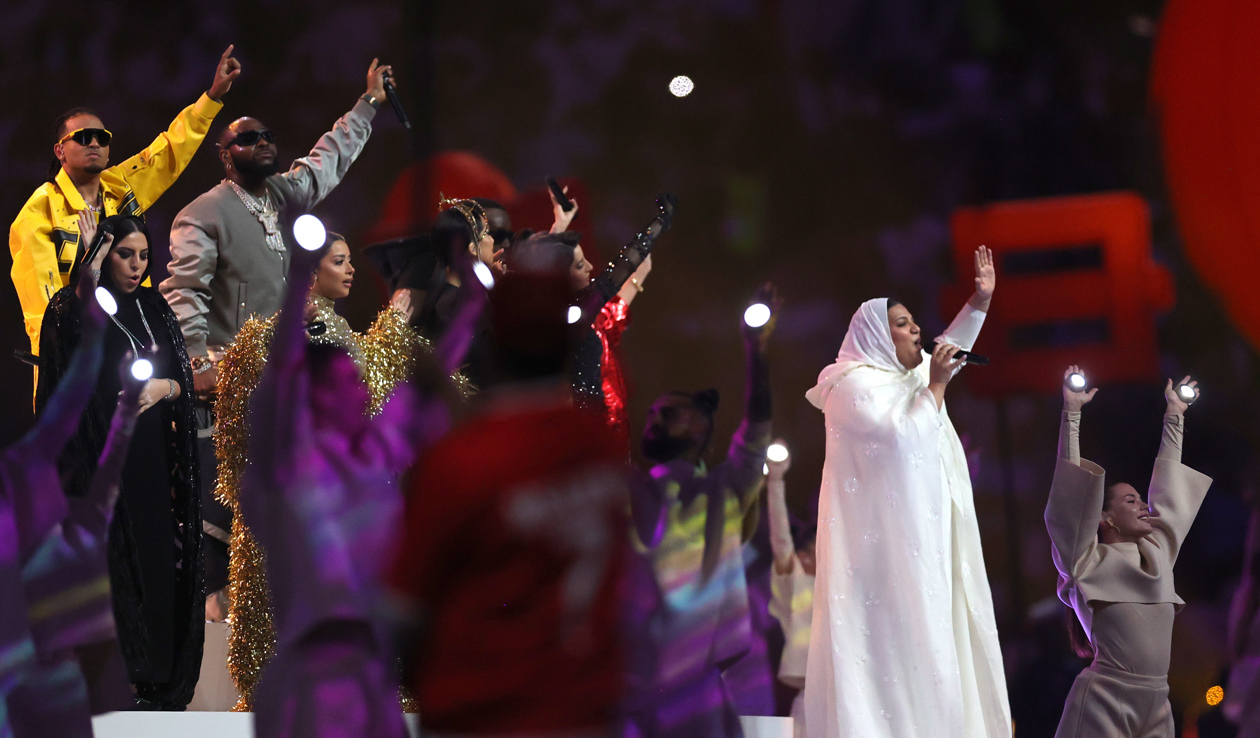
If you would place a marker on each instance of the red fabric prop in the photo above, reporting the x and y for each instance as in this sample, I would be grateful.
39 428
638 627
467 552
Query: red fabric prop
1077 285
1205 86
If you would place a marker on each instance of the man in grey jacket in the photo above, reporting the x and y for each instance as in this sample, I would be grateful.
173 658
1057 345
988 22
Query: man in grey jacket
228 260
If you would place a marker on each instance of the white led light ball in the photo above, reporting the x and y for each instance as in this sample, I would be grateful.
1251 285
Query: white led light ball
575 314
106 300
1076 381
757 315
484 275
681 86
309 232
1187 393
142 369
777 452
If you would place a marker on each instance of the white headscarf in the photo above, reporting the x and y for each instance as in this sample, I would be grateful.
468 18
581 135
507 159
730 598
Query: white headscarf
868 343
903 640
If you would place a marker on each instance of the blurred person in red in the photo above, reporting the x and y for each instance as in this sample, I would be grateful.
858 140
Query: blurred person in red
511 563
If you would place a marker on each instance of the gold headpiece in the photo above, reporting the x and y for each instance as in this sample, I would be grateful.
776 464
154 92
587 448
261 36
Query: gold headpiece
471 211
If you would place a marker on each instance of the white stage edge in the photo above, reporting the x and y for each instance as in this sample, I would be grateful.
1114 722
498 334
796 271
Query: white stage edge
241 725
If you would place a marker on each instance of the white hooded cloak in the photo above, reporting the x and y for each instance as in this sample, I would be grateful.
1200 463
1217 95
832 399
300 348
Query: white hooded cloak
904 639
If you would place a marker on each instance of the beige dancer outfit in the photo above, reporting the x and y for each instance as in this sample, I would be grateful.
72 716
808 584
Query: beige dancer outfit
1121 592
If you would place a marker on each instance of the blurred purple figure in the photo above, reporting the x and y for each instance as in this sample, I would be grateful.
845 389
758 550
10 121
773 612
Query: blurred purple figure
689 519
55 605
321 494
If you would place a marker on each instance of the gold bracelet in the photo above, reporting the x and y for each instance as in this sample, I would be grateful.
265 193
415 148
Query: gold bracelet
636 284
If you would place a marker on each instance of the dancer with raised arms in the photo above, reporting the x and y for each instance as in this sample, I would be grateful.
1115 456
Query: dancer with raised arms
1115 555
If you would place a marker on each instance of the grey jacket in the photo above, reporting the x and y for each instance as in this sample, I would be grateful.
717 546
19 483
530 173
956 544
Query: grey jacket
222 271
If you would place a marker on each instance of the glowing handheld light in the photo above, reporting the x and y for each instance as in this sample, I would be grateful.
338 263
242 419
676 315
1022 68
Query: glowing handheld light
575 314
142 369
1076 381
681 86
309 232
485 276
757 315
106 300
777 452
1187 393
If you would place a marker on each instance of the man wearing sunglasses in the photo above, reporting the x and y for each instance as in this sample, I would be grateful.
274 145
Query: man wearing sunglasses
44 239
228 260
228 263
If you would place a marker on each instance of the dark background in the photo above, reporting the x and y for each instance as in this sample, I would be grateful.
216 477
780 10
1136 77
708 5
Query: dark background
824 148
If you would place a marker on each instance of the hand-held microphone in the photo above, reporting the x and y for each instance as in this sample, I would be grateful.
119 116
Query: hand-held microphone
969 356
558 192
392 94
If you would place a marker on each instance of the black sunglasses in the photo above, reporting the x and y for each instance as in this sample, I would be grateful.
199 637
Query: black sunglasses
84 136
245 139
501 235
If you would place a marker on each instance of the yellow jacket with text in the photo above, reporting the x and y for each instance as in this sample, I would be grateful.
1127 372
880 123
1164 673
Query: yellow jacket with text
44 239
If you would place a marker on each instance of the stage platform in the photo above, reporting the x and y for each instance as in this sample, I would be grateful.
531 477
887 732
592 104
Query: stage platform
241 725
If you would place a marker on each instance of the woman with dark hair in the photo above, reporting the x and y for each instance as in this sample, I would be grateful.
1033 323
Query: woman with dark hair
461 226
1115 555
462 230
155 541
562 251
384 357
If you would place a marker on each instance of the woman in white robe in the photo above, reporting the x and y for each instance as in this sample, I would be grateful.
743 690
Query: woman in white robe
904 639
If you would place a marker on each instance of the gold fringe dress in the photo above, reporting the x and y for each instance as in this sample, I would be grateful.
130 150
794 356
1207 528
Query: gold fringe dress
385 356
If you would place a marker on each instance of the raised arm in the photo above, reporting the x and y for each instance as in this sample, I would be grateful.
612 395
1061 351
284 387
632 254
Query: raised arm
316 174
95 511
1076 494
277 413
780 526
152 171
965 328
288 342
1070 426
1174 420
1176 491
65 573
747 454
610 281
634 287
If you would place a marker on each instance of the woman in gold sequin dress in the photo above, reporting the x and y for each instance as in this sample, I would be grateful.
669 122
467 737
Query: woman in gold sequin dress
385 355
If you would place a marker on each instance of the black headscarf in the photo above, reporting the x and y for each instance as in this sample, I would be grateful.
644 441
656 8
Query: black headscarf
59 336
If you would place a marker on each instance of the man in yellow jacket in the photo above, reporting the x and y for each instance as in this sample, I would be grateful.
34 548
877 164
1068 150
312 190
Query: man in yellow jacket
44 239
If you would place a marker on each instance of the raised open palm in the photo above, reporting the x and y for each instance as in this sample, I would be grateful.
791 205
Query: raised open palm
986 274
